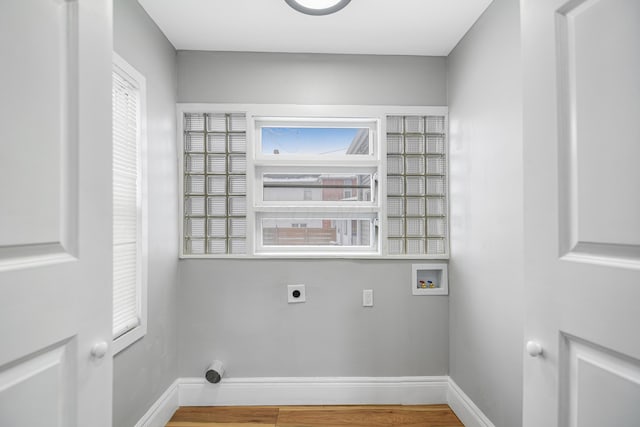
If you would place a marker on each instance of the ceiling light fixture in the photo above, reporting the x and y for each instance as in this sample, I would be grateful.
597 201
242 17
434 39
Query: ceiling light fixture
317 7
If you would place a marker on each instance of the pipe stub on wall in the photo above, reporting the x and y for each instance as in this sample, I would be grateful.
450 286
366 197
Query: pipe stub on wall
214 372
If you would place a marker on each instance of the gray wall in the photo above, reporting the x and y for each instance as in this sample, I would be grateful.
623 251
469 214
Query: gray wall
288 78
143 371
486 269
236 310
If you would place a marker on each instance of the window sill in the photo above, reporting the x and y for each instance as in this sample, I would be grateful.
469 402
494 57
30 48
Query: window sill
129 338
439 257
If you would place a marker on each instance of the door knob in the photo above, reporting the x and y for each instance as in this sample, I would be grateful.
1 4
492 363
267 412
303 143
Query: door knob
534 348
99 349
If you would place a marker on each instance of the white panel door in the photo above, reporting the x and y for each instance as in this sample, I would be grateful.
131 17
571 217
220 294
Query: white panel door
55 213
582 212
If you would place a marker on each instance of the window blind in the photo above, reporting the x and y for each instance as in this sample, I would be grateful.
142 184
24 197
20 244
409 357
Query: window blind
126 205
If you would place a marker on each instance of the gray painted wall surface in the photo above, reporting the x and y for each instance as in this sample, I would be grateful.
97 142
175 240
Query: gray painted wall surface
236 310
273 78
486 269
143 371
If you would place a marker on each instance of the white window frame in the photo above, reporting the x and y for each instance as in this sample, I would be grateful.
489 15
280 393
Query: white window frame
256 161
125 70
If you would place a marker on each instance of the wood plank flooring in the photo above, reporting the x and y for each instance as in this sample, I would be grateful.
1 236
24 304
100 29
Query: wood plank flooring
316 416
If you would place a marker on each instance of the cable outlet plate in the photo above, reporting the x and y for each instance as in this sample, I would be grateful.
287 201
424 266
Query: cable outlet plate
296 294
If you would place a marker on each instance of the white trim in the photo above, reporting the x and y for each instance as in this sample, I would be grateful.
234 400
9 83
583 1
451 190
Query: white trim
314 391
162 410
433 390
464 408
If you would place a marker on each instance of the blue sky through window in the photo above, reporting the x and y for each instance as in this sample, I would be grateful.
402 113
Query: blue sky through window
319 141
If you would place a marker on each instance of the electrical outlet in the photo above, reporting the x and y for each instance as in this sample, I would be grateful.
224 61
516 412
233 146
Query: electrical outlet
367 297
296 293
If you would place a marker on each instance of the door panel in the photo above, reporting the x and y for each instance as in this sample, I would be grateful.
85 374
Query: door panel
600 387
55 212
599 97
35 379
582 211
37 51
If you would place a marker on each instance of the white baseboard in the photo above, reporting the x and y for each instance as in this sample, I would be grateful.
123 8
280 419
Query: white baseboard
162 410
315 391
464 408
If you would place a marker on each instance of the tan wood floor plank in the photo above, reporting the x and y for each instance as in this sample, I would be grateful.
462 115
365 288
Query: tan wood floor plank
257 415
316 416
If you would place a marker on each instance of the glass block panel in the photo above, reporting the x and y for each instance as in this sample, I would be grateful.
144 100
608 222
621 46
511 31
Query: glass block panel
395 186
414 144
396 246
217 184
237 122
415 206
217 206
194 163
217 163
194 184
414 165
216 122
436 227
435 206
237 164
395 144
435 124
237 206
194 142
435 144
194 206
194 122
194 227
415 227
415 246
237 246
395 165
435 246
414 124
237 143
395 206
217 246
396 227
435 165
395 124
237 184
237 227
415 185
435 185
217 227
194 246
216 143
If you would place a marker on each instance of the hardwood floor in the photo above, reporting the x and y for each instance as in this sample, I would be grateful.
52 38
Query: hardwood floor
316 416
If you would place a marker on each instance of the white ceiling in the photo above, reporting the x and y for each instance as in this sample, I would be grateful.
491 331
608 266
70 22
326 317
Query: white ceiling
382 27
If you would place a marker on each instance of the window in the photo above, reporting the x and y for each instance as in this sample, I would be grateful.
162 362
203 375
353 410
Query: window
300 181
129 233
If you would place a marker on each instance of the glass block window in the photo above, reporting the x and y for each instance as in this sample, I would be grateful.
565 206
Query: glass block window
416 185
215 183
